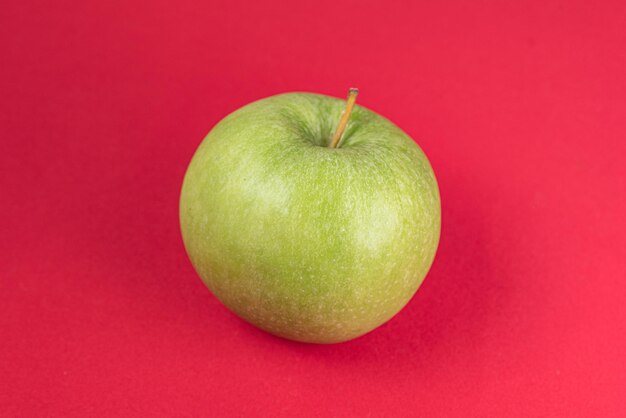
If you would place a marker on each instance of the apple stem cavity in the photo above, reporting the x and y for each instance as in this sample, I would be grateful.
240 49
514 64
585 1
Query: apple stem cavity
345 115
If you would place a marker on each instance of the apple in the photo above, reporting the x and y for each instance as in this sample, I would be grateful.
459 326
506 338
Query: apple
310 217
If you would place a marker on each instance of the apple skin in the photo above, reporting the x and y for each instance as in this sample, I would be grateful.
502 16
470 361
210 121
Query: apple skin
308 242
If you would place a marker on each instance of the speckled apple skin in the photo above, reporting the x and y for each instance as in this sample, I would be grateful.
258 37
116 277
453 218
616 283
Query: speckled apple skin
307 242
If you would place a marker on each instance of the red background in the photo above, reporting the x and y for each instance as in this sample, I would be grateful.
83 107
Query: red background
521 108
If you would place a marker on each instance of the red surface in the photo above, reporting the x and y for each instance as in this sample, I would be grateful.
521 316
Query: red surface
521 108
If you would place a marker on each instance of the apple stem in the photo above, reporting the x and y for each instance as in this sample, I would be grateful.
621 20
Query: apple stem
345 115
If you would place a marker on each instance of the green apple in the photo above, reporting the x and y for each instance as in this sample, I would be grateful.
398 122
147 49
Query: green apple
304 237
